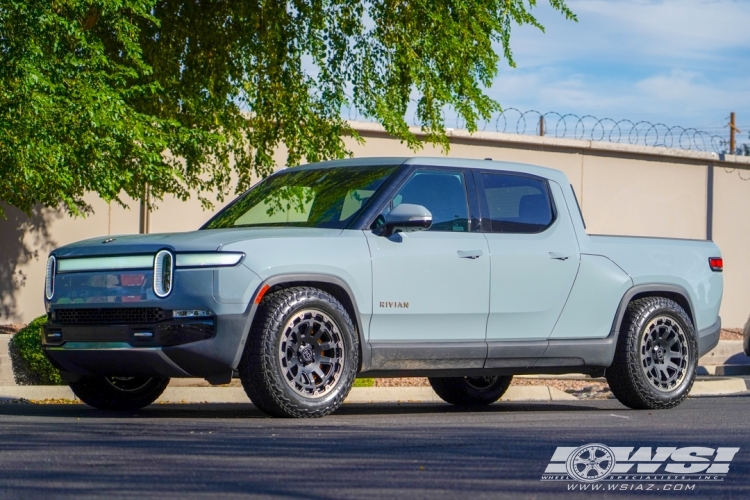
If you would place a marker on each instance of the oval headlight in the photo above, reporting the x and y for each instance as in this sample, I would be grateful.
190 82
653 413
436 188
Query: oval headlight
163 266
49 278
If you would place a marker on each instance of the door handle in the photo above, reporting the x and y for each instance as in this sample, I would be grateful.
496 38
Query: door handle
469 254
559 256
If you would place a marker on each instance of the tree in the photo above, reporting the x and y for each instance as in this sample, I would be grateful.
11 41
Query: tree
108 95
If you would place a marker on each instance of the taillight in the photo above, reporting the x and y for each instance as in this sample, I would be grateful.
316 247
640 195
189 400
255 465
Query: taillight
716 264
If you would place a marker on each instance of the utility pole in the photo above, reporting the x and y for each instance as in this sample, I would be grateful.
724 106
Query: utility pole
732 130
541 125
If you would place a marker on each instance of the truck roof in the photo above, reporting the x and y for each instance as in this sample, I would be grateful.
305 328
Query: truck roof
439 161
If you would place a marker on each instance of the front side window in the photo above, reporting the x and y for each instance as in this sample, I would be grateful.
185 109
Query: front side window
517 204
323 198
442 192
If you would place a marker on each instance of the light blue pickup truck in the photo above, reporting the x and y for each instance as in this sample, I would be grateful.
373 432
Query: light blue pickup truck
464 271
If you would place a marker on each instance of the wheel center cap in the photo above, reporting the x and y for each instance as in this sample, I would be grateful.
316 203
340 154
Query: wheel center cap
306 354
659 353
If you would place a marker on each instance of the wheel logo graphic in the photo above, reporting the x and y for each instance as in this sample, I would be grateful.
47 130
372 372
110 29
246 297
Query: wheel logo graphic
590 462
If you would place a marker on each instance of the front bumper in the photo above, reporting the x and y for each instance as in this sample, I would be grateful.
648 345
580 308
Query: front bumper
178 348
111 323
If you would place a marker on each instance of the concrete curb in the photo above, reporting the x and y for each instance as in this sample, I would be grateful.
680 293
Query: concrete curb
726 352
176 395
6 368
718 387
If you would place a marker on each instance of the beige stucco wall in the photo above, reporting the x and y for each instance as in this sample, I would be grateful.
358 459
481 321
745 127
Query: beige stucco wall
622 189
644 198
732 234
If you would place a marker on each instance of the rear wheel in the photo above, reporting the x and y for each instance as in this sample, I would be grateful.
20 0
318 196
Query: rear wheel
470 391
657 355
119 393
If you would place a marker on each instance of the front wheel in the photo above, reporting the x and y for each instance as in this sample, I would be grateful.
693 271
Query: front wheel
119 393
470 391
657 355
302 354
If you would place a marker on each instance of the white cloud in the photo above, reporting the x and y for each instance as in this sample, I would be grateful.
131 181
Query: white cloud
683 62
622 30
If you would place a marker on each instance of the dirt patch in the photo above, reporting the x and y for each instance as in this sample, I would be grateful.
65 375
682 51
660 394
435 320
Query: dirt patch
10 329
580 388
731 334
402 382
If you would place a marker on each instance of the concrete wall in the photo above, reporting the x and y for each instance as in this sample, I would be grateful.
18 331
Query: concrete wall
630 190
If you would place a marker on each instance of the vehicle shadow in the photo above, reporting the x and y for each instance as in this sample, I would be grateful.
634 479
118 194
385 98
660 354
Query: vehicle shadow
199 411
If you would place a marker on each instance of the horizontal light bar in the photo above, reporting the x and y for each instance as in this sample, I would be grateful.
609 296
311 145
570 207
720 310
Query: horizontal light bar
105 263
191 313
213 259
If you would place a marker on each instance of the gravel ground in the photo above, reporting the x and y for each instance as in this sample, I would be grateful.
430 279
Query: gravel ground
731 334
581 388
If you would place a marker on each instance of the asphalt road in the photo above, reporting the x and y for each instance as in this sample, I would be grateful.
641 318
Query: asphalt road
363 451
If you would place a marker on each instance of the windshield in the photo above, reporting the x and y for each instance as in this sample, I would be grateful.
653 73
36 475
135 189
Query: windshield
325 198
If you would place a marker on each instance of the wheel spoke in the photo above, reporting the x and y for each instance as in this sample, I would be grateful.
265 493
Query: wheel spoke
326 346
311 332
670 364
321 330
664 336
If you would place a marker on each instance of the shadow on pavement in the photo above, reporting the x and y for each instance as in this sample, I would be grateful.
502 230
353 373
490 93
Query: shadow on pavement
246 410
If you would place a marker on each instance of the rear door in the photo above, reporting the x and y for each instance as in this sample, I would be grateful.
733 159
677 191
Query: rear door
533 251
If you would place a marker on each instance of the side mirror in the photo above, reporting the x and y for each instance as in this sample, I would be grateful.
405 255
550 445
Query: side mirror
406 218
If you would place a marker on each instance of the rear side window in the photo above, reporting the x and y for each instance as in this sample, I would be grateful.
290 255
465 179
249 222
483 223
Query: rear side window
517 204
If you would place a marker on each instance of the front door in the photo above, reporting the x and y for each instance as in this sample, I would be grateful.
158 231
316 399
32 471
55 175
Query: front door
534 254
431 287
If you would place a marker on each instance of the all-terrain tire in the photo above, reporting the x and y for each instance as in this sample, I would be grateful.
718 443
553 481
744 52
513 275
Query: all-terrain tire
273 370
119 393
470 391
637 378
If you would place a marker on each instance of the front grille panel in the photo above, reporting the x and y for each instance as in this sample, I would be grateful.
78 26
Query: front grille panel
111 315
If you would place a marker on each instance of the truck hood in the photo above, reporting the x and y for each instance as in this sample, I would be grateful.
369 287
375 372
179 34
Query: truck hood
206 240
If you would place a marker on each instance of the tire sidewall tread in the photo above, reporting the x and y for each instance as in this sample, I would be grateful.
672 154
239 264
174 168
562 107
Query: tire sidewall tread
259 371
97 392
626 378
458 392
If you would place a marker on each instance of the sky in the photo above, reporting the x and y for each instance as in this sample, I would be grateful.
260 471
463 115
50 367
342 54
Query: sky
677 62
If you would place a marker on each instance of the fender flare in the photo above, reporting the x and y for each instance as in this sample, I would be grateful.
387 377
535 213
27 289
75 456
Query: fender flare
651 289
310 279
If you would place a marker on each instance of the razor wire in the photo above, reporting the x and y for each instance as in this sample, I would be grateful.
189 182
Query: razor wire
585 127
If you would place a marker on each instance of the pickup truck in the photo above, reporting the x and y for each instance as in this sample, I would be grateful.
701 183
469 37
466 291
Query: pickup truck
463 271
